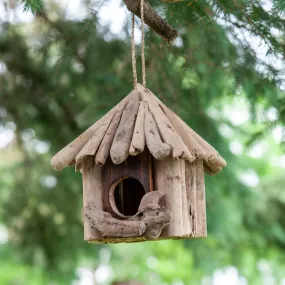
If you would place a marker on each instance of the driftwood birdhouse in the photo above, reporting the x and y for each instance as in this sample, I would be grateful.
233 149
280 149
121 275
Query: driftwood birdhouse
143 173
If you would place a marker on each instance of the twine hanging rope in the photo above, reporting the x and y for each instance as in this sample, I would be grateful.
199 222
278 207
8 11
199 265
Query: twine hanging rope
135 77
142 45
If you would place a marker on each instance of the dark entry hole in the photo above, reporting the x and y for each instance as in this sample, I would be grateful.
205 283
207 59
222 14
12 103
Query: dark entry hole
127 195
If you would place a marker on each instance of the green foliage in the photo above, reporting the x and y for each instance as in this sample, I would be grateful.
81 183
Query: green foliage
34 5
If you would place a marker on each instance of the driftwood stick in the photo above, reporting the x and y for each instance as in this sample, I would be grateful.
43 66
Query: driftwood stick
194 147
196 144
154 216
150 200
67 155
152 19
156 146
121 143
149 221
92 145
155 221
212 159
112 227
138 140
166 129
104 148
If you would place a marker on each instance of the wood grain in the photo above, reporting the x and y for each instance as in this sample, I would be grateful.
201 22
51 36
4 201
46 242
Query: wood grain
201 230
138 167
138 139
105 146
156 146
166 129
67 155
121 143
169 181
92 193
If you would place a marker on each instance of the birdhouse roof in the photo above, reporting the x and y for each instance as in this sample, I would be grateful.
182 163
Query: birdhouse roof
140 120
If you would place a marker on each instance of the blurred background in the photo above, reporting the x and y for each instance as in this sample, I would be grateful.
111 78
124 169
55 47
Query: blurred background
63 68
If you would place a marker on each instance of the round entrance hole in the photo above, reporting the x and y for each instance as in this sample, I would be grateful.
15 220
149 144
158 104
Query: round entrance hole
125 196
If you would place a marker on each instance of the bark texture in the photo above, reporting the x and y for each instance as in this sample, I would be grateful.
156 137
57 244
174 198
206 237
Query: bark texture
152 19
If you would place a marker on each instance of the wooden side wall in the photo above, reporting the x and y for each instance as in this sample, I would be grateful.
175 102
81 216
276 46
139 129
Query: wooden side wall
92 193
183 184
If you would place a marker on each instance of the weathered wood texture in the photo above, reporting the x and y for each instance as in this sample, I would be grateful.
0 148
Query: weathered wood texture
141 118
190 183
195 188
138 139
121 143
109 226
166 129
169 179
183 184
105 146
92 193
149 221
138 167
197 146
156 146
185 207
201 230
92 145
67 155
154 214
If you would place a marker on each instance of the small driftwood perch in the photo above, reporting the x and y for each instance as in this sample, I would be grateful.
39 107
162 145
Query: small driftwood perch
149 221
152 19
109 226
154 216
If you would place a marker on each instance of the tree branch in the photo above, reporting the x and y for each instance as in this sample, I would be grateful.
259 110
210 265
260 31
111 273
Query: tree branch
152 19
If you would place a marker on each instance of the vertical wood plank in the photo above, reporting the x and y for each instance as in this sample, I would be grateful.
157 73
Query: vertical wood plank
201 200
190 178
169 180
187 229
92 193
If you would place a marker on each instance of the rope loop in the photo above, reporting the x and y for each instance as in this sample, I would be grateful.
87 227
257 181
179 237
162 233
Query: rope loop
135 77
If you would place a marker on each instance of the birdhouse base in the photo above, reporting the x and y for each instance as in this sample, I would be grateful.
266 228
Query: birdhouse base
138 239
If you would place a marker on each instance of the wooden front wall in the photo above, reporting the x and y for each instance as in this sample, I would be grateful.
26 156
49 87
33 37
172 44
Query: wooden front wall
182 182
